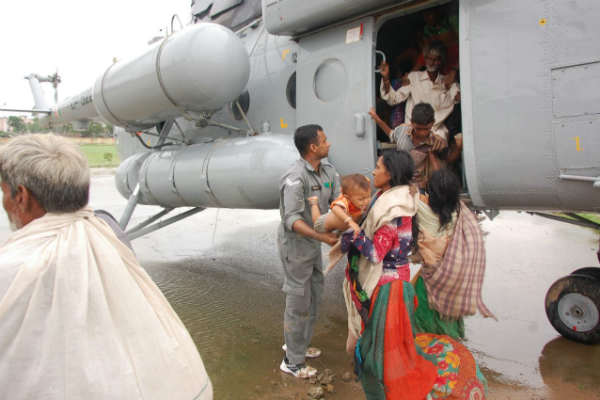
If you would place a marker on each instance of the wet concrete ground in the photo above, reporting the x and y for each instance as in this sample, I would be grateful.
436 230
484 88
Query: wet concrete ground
220 271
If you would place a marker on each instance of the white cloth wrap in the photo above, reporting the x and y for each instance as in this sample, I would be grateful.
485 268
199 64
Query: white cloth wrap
393 203
81 319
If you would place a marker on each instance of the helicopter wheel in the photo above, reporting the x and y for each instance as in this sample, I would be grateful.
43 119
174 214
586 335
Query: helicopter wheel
573 307
592 272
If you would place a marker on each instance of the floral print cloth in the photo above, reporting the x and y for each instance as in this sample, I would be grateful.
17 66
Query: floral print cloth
390 245
459 376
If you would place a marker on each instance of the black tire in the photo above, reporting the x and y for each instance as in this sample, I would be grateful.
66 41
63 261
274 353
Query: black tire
573 302
593 272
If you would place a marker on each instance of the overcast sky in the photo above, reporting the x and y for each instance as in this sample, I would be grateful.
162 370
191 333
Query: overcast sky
79 37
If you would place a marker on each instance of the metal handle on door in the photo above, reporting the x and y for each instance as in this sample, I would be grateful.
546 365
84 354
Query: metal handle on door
360 124
595 180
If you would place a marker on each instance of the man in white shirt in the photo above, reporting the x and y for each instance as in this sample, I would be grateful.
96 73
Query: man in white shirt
428 86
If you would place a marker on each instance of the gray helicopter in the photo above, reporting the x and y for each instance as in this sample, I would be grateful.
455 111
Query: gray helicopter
205 116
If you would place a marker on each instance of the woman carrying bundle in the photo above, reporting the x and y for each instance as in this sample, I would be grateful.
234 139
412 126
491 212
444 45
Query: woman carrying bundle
451 249
393 363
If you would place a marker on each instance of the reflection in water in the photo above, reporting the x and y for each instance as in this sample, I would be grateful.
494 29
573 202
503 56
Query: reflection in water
564 361
232 322
235 319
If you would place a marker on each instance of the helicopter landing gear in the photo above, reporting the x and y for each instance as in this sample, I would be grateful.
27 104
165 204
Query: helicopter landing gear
573 305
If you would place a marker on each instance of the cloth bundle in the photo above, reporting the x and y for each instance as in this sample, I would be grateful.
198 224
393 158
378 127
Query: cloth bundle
454 287
80 319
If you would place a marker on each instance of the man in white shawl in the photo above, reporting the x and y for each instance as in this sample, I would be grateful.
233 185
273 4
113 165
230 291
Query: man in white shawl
79 317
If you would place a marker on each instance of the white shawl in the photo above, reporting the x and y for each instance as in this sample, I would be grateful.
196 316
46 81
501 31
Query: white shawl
80 319
393 203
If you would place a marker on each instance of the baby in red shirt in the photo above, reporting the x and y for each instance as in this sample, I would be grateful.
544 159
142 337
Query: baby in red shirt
347 209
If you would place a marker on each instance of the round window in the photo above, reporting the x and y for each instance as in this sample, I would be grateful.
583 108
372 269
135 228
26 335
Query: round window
290 91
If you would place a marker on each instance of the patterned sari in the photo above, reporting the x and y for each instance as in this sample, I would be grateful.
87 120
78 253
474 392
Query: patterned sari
394 363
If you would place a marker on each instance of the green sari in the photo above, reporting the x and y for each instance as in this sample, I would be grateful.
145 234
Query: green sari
433 242
428 320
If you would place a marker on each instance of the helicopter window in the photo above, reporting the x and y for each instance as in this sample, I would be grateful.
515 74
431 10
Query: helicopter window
244 101
290 91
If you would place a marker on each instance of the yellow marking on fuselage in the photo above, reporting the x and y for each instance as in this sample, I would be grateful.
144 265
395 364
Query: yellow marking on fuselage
284 54
577 143
282 124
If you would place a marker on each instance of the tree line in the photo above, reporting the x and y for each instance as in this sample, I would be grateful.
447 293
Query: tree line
19 125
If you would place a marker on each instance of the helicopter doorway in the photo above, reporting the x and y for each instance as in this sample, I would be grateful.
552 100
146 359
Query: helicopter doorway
404 40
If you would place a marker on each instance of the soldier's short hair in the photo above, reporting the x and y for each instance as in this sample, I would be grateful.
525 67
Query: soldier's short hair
306 135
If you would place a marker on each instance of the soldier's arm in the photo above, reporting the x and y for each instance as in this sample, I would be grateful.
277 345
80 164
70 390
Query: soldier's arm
293 206
293 200
303 229
337 187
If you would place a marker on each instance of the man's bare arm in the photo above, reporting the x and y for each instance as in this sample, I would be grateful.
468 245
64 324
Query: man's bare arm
380 123
434 161
455 150
384 69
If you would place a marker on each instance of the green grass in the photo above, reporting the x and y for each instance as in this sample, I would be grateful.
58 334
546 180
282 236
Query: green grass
101 155
591 217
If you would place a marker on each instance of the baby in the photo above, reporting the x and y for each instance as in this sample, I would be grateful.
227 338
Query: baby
347 209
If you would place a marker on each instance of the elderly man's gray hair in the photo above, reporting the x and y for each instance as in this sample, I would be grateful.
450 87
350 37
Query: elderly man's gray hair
51 167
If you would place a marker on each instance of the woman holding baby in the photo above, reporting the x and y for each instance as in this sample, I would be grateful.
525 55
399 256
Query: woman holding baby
390 360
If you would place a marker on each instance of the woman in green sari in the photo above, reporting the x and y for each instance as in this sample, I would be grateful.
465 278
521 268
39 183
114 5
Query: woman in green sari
433 226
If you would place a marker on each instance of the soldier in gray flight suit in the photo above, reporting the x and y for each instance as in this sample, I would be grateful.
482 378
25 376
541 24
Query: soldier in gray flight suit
300 245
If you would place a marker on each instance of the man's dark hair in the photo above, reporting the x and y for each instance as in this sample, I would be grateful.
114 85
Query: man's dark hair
306 135
422 114
444 189
399 165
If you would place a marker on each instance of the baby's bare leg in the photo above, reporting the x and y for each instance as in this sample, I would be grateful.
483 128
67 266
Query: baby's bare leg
334 223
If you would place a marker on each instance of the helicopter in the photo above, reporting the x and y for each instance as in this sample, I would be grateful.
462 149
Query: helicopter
205 116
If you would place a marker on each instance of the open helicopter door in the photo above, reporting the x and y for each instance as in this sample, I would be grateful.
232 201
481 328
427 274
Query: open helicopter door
335 90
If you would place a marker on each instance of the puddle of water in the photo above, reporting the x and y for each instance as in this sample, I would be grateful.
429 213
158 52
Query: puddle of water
563 361
236 322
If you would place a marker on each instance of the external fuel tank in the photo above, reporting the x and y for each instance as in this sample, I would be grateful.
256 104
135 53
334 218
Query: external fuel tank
229 173
195 70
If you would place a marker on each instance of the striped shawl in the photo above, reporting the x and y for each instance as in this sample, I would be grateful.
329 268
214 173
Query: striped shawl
454 287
